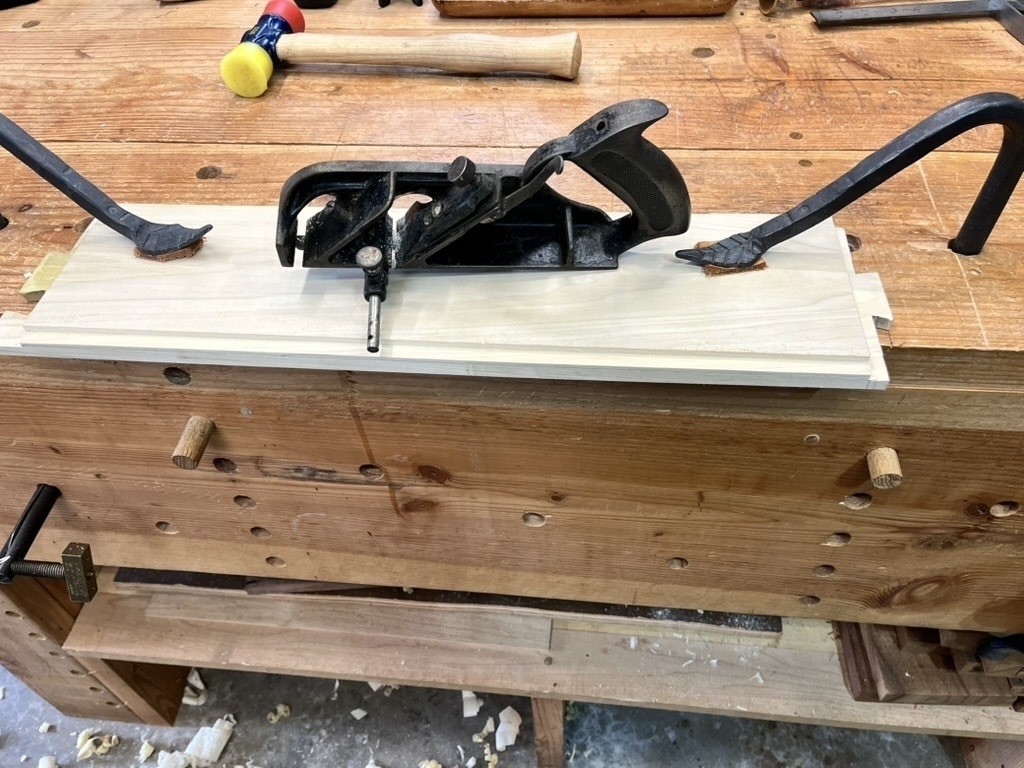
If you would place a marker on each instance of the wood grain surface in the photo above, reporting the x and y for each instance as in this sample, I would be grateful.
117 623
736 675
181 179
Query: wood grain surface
764 111
800 323
35 618
720 498
730 498
798 680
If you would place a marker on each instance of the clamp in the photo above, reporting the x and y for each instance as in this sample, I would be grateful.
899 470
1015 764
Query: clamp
744 249
76 567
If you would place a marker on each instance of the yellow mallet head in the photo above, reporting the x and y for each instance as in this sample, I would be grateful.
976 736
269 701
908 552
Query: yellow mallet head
246 70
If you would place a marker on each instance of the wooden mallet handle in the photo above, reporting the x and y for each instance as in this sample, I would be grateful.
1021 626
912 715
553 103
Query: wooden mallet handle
247 69
557 55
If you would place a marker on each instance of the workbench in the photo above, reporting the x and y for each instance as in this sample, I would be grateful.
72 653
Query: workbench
740 499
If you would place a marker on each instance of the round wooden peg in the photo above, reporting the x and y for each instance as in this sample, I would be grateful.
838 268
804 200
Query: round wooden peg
189 450
884 466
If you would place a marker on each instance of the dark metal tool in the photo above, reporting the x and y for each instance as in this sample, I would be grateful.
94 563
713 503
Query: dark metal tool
744 249
1009 13
151 239
491 216
1008 649
75 568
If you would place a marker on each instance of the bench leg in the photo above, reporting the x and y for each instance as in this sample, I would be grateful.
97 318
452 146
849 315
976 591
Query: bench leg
992 753
549 732
35 618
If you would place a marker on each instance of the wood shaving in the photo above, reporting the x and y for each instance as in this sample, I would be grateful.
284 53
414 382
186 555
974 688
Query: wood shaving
281 712
195 680
508 729
471 704
481 737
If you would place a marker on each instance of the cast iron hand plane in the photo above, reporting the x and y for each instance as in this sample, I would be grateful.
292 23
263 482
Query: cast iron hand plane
487 216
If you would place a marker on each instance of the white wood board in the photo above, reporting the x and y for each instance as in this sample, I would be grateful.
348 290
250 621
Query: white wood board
804 321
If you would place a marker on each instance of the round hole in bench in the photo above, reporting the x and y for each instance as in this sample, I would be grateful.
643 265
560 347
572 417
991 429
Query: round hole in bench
277 562
244 502
677 563
809 600
371 472
259 533
178 376
1004 509
837 539
857 501
534 520
823 571
165 527
225 465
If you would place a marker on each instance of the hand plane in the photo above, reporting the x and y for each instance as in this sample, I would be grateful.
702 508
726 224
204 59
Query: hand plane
487 216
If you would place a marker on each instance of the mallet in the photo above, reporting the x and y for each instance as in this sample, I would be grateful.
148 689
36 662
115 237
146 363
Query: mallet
247 69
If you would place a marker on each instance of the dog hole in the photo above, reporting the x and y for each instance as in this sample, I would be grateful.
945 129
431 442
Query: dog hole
164 527
812 440
677 563
277 562
838 539
1004 509
823 571
534 520
209 172
259 533
177 376
809 600
702 53
371 472
244 502
225 465
857 501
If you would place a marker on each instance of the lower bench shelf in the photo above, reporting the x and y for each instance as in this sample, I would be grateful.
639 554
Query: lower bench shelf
789 676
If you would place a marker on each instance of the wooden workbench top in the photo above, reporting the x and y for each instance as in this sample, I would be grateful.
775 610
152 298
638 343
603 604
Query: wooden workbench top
764 112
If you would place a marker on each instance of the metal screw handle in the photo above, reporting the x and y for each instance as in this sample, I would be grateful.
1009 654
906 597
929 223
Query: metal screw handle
38 569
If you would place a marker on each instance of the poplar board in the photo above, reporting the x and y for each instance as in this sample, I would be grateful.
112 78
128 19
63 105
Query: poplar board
655 319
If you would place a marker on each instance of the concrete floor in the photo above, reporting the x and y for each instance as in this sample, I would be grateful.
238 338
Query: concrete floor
415 724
